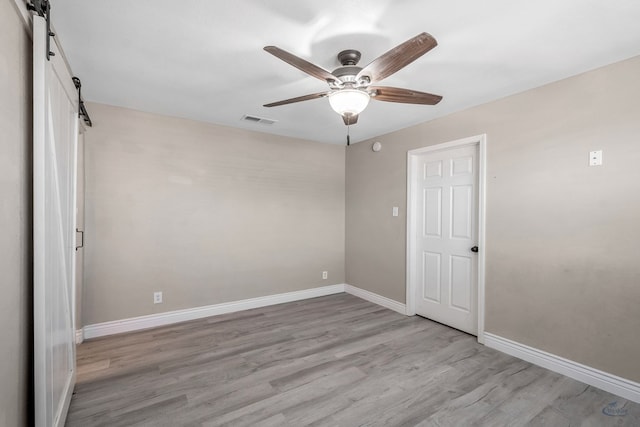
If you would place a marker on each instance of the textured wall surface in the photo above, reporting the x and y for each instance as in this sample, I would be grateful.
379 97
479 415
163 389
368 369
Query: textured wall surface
562 271
206 214
15 218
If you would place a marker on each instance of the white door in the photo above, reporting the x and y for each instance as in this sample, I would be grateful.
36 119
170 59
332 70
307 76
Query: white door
444 259
55 131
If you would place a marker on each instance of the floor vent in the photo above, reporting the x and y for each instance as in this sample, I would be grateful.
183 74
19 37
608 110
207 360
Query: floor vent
261 120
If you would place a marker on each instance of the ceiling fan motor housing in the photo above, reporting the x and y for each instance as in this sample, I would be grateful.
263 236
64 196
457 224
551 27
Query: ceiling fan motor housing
347 74
349 59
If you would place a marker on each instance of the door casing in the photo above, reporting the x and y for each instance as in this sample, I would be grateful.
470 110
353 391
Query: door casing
481 142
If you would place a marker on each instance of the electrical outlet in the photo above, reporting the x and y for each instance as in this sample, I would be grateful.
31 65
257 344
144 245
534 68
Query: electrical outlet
325 275
157 297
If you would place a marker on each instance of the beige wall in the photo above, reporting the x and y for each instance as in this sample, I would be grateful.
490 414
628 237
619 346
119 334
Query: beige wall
204 213
563 240
15 218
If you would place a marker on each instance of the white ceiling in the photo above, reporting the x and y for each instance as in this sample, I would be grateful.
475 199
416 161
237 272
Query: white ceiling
204 60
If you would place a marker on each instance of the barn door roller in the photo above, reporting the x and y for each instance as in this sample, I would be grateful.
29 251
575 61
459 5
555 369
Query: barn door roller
82 111
43 8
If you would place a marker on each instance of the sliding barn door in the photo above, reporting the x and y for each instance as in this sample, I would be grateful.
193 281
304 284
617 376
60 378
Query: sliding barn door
55 132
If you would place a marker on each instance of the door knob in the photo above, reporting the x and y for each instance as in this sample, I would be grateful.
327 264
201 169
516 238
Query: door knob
474 249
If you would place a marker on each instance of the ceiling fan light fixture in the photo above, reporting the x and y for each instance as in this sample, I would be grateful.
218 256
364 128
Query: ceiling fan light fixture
349 101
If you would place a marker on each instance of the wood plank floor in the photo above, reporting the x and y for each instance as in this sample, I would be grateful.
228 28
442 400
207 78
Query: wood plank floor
330 361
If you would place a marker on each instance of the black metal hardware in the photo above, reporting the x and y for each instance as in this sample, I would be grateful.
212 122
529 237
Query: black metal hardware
81 240
474 249
348 134
82 111
43 8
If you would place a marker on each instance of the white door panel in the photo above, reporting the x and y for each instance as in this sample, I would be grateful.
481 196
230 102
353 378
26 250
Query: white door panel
445 269
431 276
432 208
54 150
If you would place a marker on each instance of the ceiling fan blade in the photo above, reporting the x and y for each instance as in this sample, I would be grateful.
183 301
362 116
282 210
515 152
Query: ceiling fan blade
301 64
298 99
350 119
406 96
398 57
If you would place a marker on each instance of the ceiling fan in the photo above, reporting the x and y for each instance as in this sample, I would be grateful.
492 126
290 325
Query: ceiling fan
351 87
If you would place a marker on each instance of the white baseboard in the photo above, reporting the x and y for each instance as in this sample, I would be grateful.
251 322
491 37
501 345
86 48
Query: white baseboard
586 374
170 317
79 336
376 299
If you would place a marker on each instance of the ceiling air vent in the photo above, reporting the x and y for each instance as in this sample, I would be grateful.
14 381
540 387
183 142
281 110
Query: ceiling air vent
261 120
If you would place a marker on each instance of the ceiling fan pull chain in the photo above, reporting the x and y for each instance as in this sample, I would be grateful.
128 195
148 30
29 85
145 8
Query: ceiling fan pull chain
348 139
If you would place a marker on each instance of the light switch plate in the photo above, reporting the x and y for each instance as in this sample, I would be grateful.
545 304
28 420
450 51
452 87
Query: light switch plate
395 211
595 158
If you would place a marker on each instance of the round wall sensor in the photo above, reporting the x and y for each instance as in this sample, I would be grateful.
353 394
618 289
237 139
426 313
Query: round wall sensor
376 146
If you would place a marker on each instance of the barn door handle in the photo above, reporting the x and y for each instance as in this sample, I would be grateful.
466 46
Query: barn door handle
474 249
81 240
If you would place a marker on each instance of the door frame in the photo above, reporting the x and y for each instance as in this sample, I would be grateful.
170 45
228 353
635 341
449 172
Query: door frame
481 142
